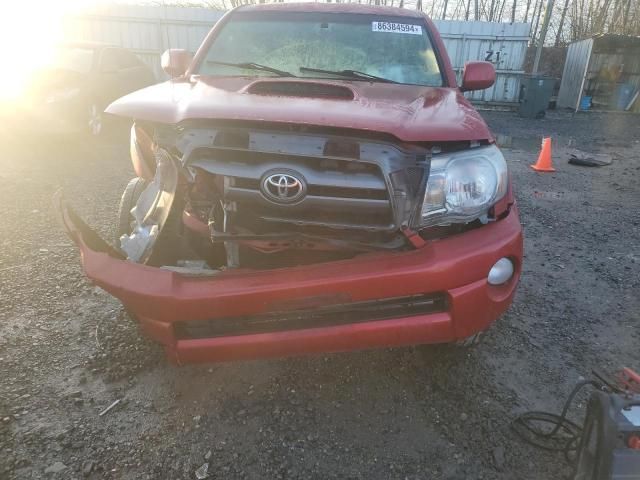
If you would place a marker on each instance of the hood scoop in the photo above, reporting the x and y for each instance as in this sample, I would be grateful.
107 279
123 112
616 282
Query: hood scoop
301 89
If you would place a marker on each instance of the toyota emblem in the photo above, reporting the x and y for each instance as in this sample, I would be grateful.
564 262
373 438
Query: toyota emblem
281 187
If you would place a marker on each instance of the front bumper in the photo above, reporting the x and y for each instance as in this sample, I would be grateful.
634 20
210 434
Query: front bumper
455 268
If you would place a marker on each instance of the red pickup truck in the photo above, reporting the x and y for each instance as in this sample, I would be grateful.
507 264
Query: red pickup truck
312 180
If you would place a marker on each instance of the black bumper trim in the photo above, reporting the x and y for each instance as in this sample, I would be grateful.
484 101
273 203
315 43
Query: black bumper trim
356 312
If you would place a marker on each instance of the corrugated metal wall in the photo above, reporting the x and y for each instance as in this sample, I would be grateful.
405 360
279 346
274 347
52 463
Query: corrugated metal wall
149 30
146 30
575 69
503 44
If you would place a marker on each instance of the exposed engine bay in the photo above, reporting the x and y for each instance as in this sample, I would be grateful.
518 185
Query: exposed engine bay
249 197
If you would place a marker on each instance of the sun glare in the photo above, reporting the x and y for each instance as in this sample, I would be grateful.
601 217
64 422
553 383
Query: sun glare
28 34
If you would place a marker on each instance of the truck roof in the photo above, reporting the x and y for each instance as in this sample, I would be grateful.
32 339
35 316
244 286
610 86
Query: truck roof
312 7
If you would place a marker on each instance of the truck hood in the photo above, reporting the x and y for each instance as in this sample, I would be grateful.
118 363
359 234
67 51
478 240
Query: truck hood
409 113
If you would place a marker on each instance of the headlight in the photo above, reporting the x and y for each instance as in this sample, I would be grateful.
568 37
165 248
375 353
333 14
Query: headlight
62 95
462 186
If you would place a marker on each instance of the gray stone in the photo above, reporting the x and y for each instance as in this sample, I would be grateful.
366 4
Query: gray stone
203 471
498 457
87 467
57 467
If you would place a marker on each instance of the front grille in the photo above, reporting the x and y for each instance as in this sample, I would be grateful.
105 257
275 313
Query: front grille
342 314
322 190
341 193
351 183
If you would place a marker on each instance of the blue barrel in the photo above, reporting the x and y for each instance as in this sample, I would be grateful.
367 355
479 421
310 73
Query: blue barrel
585 103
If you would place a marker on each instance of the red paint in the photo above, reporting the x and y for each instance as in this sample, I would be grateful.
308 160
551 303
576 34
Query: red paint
414 237
175 61
478 76
502 206
457 265
434 328
408 112
333 7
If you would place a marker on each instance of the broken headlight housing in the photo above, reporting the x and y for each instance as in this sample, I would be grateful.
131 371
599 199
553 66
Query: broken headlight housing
463 186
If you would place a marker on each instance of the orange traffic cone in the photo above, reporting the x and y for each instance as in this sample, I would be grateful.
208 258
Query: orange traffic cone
544 159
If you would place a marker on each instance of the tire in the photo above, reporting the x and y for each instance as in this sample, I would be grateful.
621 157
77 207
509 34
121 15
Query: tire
130 197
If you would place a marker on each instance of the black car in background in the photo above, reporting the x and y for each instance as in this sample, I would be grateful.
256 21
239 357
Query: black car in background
78 81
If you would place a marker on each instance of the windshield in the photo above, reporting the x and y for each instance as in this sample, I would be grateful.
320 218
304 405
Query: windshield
393 48
75 59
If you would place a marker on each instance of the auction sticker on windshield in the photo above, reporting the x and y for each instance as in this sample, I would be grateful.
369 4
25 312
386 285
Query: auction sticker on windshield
390 27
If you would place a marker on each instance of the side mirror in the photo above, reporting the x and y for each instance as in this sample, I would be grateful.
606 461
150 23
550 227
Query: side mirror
175 62
477 76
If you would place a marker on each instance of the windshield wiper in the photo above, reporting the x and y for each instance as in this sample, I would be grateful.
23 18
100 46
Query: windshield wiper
349 73
254 66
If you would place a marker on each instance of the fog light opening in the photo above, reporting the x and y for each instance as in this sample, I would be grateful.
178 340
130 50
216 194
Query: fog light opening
501 272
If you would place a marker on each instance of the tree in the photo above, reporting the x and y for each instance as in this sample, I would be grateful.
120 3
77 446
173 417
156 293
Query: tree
570 20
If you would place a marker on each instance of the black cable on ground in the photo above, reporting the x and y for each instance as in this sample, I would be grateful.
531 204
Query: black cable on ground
563 435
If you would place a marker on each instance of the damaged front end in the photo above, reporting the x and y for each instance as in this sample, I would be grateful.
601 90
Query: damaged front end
275 243
254 198
151 209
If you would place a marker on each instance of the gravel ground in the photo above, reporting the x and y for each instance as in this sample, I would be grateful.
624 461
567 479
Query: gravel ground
68 351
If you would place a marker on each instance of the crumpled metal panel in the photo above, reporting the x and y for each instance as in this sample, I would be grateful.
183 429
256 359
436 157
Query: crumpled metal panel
151 210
